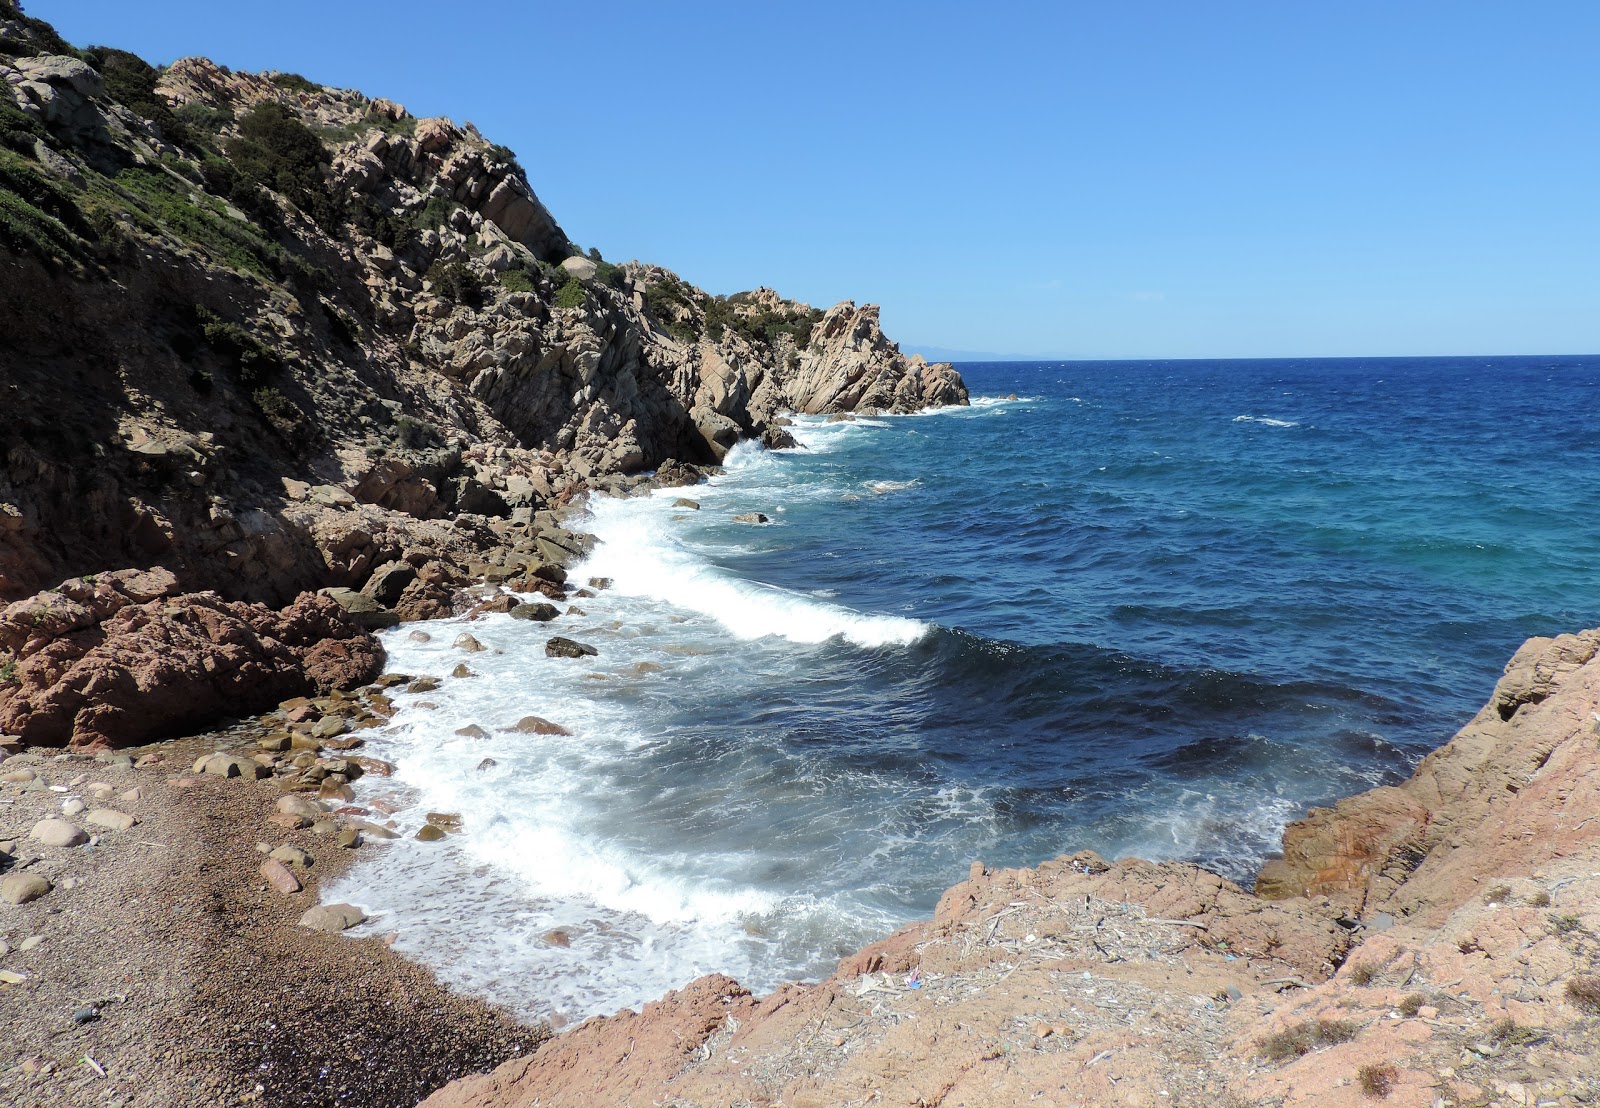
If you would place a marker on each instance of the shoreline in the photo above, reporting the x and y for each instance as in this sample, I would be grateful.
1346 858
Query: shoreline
208 808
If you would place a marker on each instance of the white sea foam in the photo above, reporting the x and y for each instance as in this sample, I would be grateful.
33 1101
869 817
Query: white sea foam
1264 420
645 556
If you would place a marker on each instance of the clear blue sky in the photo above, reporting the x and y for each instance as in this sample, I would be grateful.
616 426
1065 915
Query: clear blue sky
1129 178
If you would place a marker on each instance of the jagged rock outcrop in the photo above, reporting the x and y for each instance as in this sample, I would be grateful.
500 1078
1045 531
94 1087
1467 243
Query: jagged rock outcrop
121 658
1515 788
267 280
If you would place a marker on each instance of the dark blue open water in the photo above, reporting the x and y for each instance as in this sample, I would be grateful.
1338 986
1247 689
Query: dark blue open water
1156 608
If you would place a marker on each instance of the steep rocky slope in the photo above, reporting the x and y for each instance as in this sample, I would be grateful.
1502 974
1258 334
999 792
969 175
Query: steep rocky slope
275 337
211 282
1446 955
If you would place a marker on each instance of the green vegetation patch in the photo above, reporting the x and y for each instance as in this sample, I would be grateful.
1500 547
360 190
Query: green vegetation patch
571 294
517 280
455 282
276 150
159 203
37 213
766 325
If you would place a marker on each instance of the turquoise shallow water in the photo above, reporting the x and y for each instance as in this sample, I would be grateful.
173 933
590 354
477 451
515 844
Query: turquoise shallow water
1152 608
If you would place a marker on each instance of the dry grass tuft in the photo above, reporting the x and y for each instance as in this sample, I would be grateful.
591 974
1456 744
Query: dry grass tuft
1583 991
1411 1004
1362 976
1305 1037
1378 1080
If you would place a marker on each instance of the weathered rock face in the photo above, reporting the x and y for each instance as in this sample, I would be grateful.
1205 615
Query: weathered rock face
411 359
121 658
1504 784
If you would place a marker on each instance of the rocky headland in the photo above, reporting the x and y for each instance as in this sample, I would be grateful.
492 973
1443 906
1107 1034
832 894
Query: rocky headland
282 365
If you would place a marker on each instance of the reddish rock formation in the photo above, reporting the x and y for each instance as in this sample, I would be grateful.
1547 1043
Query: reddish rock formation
119 658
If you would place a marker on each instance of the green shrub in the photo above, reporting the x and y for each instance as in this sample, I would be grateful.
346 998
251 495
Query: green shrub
608 274
517 280
294 82
279 409
1583 991
508 157
252 360
571 294
455 282
277 151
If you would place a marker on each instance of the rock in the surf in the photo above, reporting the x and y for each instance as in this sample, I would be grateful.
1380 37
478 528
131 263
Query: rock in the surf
750 517
539 613
560 647
536 725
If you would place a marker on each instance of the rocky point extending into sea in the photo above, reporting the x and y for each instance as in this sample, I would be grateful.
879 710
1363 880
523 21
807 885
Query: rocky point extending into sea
284 365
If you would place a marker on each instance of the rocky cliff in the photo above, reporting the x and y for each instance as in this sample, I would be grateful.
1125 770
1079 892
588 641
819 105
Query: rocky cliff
1432 944
271 335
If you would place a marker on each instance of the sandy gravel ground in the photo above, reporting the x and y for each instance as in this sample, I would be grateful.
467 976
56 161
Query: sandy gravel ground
161 970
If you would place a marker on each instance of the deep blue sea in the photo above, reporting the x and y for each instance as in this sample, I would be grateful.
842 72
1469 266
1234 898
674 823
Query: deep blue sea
1153 608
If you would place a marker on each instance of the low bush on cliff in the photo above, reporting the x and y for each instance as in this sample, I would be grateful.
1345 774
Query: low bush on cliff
1584 992
766 325
131 82
517 280
571 294
277 151
252 360
455 282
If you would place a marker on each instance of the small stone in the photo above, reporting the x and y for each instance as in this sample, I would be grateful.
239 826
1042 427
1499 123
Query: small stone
487 763
21 888
423 684
468 643
291 855
430 833
685 502
557 938
332 917
349 838
30 942
1043 1030
274 744
1428 1012
109 819
536 725
576 611
599 582
300 806
472 731
100 790
57 832
69 883
279 876
420 636
87 1014
132 796
461 670
324 827
20 776
750 517
73 807
560 647
450 821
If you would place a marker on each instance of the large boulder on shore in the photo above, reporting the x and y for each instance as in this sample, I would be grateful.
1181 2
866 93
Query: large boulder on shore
120 658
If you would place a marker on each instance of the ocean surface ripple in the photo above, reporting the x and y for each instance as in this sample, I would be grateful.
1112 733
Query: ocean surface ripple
1143 608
